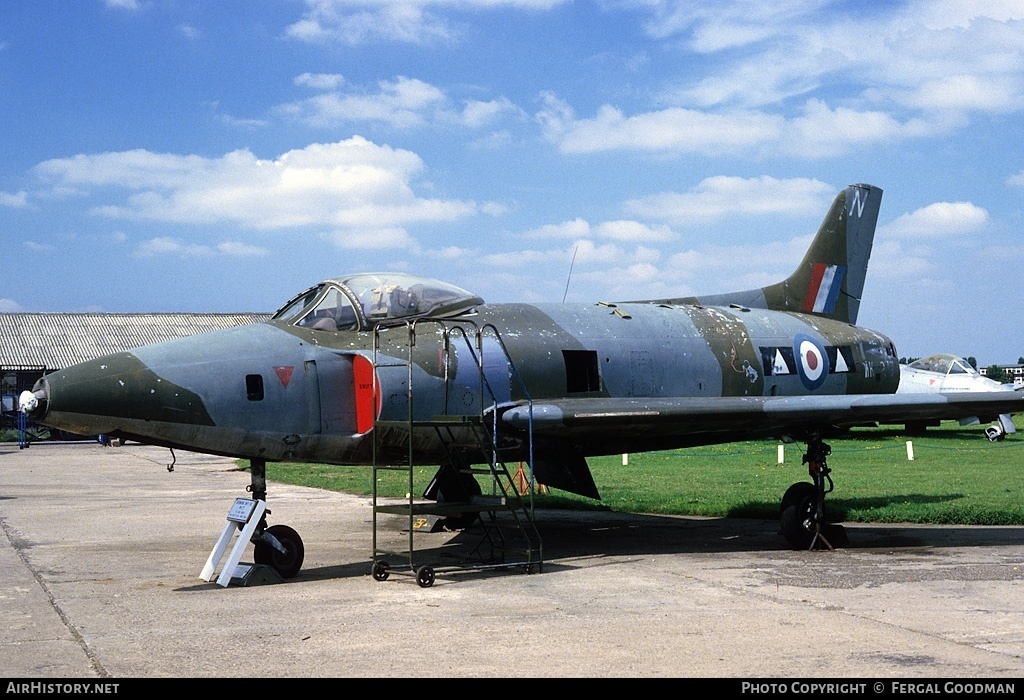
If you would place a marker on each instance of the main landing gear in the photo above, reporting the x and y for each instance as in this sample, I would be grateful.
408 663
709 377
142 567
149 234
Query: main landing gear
277 546
802 513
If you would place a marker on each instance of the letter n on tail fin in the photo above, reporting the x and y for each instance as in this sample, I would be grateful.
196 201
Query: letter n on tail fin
830 279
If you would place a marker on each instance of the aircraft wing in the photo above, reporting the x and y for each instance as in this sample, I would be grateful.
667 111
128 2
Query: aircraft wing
609 425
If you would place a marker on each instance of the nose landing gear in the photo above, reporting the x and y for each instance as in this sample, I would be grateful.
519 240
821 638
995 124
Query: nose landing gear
277 546
802 513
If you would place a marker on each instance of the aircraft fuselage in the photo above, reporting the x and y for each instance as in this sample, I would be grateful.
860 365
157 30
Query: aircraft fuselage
275 391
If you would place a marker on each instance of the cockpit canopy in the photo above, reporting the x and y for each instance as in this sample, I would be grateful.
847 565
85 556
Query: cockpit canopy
943 364
360 302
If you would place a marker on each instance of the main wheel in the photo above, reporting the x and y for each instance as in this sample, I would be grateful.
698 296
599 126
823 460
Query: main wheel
796 515
287 564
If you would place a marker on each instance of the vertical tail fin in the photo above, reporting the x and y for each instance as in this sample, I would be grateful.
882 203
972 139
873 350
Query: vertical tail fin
830 279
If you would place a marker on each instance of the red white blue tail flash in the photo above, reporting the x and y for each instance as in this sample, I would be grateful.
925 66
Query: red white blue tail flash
823 291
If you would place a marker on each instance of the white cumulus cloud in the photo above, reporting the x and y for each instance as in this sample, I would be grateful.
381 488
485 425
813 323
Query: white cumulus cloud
939 220
722 196
351 184
403 103
405 21
671 130
18 200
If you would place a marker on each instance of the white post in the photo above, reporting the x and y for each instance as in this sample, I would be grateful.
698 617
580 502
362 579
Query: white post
910 451
625 459
782 454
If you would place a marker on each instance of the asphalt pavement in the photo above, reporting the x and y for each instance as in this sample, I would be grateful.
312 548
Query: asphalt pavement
101 550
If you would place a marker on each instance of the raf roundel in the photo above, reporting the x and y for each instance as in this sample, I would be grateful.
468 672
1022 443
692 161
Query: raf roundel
812 361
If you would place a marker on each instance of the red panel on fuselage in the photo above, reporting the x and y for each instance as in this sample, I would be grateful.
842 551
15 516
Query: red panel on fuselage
367 398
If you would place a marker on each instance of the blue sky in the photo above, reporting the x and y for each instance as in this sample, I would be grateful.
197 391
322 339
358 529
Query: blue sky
178 155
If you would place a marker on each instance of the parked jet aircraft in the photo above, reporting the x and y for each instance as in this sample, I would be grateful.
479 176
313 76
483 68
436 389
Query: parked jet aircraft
948 373
393 368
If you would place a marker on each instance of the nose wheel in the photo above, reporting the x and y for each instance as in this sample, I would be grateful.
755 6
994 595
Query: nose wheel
268 550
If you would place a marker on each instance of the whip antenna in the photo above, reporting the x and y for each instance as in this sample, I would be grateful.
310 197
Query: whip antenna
570 273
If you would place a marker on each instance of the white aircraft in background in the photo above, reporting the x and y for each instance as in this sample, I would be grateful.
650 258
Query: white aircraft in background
947 374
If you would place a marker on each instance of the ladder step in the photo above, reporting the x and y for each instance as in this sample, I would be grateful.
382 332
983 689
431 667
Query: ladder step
489 500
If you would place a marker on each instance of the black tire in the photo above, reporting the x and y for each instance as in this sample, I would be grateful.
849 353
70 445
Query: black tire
380 571
796 515
425 576
288 564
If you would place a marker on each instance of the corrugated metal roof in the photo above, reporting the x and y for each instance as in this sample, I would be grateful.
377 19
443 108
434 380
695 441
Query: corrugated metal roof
60 340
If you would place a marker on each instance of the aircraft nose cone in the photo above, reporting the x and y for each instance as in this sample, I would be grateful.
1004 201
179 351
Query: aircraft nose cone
114 392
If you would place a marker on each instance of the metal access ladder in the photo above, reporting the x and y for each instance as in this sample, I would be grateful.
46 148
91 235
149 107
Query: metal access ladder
502 533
